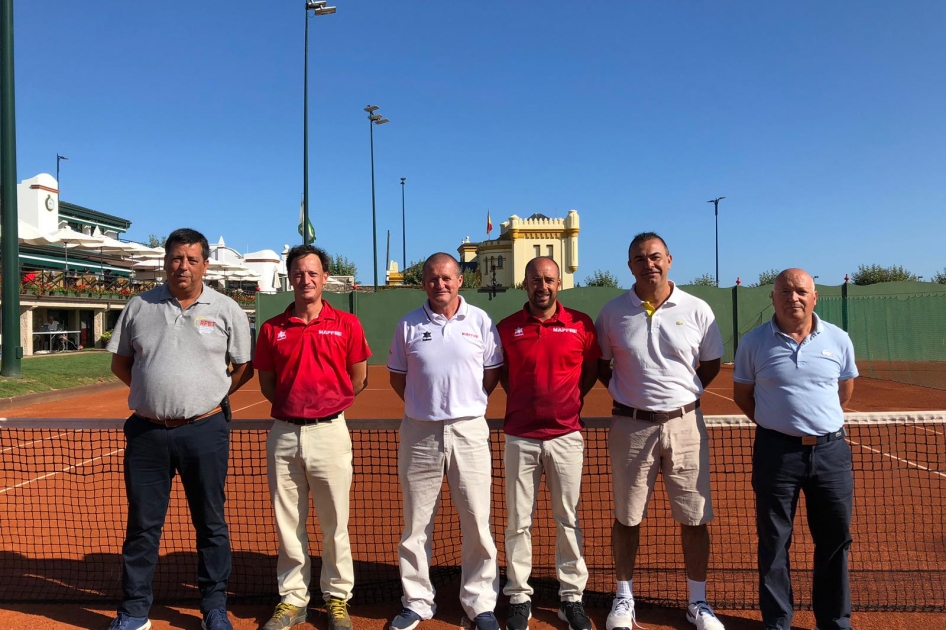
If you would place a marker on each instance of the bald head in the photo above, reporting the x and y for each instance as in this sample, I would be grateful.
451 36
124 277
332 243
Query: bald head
438 259
795 275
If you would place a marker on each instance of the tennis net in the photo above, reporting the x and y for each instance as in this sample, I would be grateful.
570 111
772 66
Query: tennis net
62 506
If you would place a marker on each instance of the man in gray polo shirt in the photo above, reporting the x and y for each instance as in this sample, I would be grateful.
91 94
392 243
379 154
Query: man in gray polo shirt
182 348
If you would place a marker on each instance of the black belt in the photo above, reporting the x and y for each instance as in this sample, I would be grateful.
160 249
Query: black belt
302 422
805 440
653 416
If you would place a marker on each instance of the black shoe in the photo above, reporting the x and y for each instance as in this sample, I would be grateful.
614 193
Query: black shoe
519 616
574 614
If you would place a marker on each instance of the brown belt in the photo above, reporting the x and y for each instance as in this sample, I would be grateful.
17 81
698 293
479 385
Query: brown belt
173 423
653 416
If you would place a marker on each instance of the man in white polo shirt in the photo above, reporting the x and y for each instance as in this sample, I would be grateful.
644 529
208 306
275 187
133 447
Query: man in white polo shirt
445 360
666 349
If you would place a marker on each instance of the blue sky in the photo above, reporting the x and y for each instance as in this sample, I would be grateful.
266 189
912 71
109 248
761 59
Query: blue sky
821 123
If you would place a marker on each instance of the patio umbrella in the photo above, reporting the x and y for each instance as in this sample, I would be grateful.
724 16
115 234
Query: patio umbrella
71 238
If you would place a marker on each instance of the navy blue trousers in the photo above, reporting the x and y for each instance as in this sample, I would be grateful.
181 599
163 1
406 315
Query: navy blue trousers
199 453
780 471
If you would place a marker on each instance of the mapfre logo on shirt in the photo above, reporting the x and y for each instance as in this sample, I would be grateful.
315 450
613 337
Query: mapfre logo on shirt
562 329
205 325
337 333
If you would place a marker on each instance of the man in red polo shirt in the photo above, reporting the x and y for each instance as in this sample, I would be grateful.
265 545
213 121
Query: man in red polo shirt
551 363
312 361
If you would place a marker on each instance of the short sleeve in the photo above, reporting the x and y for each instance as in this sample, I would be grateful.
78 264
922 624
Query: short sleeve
239 343
358 349
711 347
120 343
848 367
602 329
492 347
263 359
744 370
397 357
592 348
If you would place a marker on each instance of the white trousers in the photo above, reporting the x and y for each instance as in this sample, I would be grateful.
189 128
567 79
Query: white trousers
561 458
302 459
461 449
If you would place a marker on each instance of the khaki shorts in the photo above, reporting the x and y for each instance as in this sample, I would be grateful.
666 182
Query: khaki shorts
679 449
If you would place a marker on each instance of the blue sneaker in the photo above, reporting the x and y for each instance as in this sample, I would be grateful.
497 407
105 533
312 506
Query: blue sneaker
216 619
407 619
483 621
126 622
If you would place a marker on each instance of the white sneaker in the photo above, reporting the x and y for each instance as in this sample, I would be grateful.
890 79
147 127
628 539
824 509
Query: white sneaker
622 614
702 616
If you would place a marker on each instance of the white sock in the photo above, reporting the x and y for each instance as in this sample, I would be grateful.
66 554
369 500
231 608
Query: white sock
697 591
625 589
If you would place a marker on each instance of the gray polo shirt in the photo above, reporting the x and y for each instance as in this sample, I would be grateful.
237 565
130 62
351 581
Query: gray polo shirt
180 356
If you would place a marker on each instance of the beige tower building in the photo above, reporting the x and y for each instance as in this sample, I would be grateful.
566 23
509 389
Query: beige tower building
521 240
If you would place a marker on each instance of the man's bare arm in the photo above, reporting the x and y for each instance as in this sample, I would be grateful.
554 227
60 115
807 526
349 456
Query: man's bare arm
359 376
845 391
707 371
604 371
267 384
121 367
491 379
398 383
589 374
240 376
744 395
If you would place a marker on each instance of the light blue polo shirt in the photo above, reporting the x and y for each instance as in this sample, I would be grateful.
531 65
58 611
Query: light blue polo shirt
796 384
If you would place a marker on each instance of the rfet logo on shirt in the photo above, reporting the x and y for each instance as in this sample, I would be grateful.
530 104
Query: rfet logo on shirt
205 325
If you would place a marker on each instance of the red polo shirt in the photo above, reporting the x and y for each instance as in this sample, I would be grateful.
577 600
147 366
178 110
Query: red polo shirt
311 361
544 360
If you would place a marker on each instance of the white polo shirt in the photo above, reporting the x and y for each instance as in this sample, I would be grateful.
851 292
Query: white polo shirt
655 357
444 360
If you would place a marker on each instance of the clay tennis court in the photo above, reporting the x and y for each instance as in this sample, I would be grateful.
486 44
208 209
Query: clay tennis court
658 573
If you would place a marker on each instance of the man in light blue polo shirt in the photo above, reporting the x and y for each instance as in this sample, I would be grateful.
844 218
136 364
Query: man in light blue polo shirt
793 377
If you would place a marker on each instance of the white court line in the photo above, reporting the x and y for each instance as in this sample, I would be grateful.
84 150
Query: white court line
66 469
899 459
262 402
706 391
16 446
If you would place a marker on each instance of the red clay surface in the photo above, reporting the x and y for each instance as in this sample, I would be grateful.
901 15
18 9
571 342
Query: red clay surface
380 402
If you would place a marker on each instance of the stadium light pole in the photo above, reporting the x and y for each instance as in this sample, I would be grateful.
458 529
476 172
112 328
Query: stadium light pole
715 203
374 119
403 227
10 363
319 8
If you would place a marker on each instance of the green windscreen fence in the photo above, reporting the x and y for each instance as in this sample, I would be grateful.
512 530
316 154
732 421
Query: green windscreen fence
898 328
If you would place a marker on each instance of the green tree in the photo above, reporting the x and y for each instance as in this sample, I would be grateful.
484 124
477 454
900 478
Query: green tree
414 274
155 241
872 274
940 277
767 277
341 266
706 280
601 279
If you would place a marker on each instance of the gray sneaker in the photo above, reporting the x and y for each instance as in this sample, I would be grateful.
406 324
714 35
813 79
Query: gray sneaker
286 616
574 614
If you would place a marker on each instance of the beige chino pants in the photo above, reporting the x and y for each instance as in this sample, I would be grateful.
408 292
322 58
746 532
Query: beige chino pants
459 448
561 458
314 459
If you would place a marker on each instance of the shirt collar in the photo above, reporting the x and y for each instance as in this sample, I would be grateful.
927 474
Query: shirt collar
207 295
327 313
816 326
461 313
638 302
560 315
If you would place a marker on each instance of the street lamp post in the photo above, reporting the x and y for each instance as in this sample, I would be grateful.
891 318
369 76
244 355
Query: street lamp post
403 227
319 8
374 119
59 158
715 203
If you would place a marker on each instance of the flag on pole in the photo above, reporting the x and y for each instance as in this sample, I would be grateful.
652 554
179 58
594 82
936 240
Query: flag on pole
489 224
309 236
